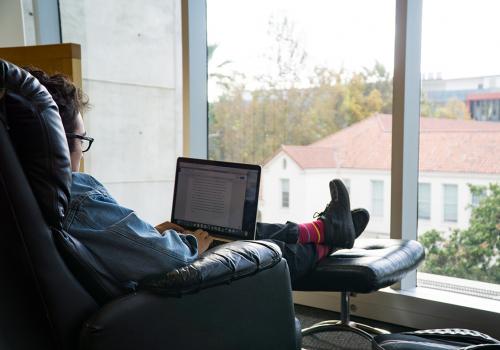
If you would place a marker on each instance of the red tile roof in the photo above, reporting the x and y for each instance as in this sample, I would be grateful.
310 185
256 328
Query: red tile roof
483 96
446 145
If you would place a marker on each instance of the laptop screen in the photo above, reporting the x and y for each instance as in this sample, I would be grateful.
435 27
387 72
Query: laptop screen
218 197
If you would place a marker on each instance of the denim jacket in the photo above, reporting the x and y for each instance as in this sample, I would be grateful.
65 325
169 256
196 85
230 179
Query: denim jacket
127 246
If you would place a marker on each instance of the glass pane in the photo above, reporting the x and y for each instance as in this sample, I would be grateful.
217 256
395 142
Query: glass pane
477 195
285 193
131 73
459 143
424 201
450 202
310 82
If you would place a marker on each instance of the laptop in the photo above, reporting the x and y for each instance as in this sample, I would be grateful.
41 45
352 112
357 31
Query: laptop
218 197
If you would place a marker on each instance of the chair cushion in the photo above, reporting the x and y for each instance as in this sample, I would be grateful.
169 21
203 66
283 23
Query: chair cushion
219 265
370 265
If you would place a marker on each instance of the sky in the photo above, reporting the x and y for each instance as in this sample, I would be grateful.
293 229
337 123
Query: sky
460 38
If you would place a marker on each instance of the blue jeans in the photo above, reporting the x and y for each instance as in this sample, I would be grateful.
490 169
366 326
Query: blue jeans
301 258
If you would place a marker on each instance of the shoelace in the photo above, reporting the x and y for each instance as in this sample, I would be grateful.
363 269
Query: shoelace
317 215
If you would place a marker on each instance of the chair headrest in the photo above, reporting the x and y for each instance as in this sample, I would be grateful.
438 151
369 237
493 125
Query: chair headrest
34 125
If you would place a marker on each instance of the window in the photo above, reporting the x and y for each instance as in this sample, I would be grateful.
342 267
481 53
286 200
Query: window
458 134
442 53
424 201
450 203
285 193
305 80
476 196
377 198
284 164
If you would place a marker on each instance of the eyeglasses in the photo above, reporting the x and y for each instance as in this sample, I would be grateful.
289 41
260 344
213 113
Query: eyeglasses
85 140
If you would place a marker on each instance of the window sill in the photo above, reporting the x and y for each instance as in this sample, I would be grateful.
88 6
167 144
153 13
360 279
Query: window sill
420 307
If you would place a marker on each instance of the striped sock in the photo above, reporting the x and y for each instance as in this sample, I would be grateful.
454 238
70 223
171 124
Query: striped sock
322 251
312 232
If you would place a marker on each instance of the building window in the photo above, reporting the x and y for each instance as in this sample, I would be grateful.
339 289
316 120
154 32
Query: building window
450 203
476 197
285 193
424 201
284 163
378 198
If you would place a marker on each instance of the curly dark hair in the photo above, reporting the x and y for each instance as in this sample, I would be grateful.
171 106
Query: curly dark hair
69 98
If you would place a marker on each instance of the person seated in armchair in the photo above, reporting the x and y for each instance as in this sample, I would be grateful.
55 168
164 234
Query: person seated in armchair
133 249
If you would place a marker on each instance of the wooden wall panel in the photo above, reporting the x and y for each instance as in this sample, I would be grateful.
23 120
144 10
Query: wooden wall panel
58 58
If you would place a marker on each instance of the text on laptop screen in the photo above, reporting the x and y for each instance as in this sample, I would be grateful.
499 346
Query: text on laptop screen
219 199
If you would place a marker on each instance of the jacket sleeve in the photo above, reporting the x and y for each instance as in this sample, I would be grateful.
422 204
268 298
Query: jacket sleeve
120 239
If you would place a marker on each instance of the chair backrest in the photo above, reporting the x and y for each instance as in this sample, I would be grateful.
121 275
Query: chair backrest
35 180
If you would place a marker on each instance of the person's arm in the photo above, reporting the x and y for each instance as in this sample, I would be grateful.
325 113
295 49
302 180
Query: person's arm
203 238
126 244
167 225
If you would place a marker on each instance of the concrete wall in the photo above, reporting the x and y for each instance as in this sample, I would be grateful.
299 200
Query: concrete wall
309 193
11 23
131 61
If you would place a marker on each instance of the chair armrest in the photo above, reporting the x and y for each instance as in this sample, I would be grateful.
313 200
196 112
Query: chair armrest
251 313
219 265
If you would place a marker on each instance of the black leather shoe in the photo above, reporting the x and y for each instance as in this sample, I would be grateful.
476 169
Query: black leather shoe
360 218
339 228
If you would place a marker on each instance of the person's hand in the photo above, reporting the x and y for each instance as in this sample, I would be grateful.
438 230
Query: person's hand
167 225
203 238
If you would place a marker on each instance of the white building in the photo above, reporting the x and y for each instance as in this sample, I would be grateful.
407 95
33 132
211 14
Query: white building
453 154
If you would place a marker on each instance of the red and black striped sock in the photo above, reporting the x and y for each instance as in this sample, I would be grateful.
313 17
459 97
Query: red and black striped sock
312 232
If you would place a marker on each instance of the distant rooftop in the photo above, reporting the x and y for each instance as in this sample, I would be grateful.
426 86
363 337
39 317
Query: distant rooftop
446 145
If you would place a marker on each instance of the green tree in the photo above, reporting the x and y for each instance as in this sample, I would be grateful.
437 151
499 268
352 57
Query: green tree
251 125
472 253
452 109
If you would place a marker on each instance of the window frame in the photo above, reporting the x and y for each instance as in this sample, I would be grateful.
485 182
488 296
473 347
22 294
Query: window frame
404 303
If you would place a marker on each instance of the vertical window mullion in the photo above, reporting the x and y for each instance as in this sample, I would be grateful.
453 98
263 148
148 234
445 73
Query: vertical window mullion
194 33
47 22
405 125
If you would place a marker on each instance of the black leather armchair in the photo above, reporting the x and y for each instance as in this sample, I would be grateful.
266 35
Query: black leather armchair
55 296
